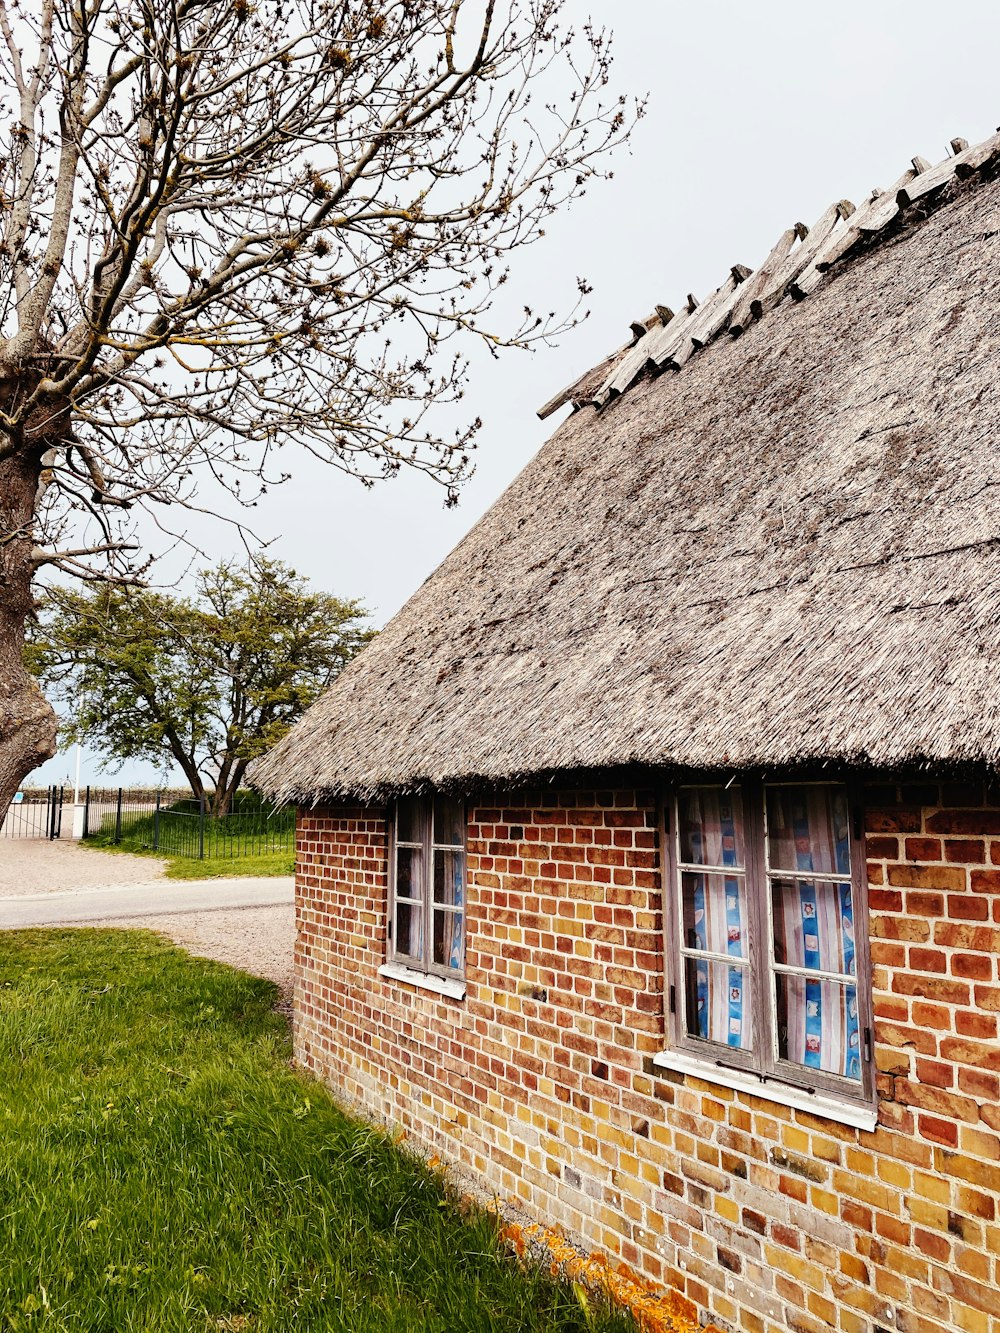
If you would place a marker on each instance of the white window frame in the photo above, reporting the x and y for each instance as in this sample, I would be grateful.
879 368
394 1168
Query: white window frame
762 1069
397 961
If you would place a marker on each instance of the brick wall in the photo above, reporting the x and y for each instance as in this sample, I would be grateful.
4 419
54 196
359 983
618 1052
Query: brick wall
541 1081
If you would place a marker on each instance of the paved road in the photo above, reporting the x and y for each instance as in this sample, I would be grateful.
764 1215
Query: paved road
158 898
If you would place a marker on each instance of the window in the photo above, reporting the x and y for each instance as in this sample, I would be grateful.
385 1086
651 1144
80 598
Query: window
428 886
768 969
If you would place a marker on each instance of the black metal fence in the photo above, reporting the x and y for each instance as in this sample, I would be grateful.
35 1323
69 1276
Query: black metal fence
178 825
120 814
37 814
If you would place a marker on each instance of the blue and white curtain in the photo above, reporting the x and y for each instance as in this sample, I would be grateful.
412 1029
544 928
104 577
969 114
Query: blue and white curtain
808 835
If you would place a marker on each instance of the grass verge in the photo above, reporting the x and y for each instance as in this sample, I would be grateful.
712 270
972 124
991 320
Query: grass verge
212 867
162 1167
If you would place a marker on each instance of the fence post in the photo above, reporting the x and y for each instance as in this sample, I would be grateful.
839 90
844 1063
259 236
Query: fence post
156 824
118 818
48 814
86 812
201 828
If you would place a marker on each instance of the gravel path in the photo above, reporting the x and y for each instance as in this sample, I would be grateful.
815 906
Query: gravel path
29 865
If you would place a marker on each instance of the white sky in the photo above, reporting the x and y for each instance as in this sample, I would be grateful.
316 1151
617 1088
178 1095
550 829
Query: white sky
760 115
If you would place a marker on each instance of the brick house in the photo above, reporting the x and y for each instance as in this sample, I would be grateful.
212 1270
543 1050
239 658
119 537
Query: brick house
649 860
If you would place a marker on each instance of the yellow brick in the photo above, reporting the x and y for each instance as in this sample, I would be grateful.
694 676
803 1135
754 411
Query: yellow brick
894 1173
727 1208
860 1162
928 1214
795 1139
824 1201
853 1323
937 1188
827 1150
821 1307
969 1320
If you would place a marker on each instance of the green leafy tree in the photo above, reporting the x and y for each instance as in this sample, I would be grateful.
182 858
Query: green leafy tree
212 680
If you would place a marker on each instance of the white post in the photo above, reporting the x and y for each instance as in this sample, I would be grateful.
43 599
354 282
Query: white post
76 780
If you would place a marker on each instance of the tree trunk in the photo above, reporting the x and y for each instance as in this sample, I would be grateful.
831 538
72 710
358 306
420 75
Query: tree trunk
230 776
27 720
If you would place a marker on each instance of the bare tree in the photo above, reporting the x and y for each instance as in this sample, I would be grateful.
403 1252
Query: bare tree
231 225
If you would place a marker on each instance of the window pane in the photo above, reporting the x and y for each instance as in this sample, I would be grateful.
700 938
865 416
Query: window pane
808 829
409 930
449 821
814 925
710 824
818 1025
408 821
449 878
409 873
714 913
449 939
717 1002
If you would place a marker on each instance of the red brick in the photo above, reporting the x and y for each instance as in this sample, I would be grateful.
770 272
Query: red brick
923 849
984 881
977 1083
974 966
938 1131
897 1010
928 960
885 900
974 823
981 1026
925 904
789 1237
896 820
881 849
968 851
935 1074
938 1016
932 1244
887 953
967 907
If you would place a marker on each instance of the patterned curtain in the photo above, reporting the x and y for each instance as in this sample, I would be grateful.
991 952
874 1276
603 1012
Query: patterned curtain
808 835
718 923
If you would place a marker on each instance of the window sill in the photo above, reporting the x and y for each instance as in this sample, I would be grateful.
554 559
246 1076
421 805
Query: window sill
454 989
784 1094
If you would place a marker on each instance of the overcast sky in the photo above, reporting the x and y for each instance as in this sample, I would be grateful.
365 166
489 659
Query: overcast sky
760 115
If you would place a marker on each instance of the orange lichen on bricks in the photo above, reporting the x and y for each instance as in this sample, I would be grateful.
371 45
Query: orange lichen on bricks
654 1311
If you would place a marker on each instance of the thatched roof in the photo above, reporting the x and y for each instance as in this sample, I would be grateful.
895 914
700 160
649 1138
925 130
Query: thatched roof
789 552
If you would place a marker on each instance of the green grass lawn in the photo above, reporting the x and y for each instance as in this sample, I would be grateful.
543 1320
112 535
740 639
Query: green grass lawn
163 1168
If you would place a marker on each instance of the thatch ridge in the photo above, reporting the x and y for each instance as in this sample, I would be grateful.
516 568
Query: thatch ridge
788 554
796 266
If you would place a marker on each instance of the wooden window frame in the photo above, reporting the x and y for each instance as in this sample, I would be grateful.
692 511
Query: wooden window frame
763 1062
427 846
